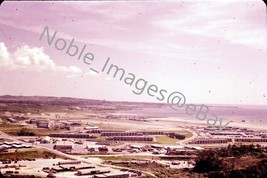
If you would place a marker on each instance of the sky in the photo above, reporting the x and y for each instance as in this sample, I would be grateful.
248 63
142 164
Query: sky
214 52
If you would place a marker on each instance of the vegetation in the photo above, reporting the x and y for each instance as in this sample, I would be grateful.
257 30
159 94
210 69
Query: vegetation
244 161
40 104
155 168
177 136
184 132
16 130
30 154
25 132
10 128
233 162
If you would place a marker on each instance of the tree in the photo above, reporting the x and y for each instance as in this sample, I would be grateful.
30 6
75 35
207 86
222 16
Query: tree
25 132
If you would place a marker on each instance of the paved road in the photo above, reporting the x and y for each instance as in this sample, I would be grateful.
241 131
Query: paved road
183 142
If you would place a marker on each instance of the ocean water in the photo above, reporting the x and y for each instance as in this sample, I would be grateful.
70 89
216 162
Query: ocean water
249 114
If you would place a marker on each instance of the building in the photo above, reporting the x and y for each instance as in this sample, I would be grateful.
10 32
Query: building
134 133
108 134
69 162
64 146
71 135
72 125
102 130
46 140
251 140
32 121
129 138
11 120
68 167
113 175
156 146
153 132
13 145
85 172
227 134
91 127
42 123
193 147
210 140
57 169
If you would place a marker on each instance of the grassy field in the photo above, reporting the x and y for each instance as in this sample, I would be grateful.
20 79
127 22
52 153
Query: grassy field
165 140
186 133
111 126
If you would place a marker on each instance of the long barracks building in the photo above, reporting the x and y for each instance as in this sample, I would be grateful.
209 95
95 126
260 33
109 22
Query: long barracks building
129 138
70 135
135 133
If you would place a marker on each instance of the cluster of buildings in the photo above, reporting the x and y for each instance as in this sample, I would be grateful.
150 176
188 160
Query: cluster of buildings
118 135
72 145
46 123
227 140
229 135
82 169
158 149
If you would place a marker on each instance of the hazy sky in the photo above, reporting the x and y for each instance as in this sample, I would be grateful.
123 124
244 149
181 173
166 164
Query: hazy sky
211 51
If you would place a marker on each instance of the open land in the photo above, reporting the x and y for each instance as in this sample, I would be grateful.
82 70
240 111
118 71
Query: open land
68 137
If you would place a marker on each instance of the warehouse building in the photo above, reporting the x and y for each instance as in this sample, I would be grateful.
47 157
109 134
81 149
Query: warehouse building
85 172
42 123
64 146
